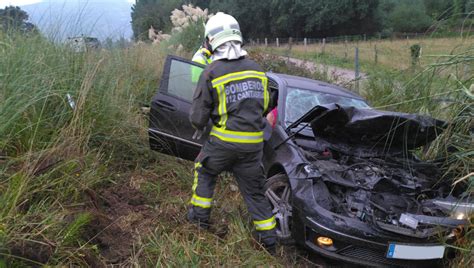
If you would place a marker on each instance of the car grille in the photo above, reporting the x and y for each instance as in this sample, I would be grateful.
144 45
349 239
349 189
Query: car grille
378 256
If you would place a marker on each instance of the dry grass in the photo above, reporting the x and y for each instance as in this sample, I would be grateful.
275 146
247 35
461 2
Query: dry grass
394 54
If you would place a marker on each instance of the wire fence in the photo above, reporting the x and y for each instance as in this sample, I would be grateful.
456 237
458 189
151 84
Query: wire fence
286 41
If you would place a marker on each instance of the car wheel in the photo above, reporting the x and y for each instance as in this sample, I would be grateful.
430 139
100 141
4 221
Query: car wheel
278 192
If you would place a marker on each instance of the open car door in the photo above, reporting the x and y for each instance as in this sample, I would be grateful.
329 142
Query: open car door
169 130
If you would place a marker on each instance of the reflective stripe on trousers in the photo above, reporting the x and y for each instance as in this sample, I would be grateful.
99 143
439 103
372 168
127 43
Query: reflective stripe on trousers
197 200
201 201
265 225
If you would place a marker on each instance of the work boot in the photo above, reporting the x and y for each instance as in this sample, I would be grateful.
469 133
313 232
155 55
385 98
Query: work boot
271 249
201 223
267 240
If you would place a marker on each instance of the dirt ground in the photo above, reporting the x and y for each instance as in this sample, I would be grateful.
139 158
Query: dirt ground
120 213
123 213
340 76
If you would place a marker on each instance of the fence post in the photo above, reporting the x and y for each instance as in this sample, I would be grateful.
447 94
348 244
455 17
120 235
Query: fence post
278 42
266 42
357 69
345 49
323 45
305 42
258 41
376 54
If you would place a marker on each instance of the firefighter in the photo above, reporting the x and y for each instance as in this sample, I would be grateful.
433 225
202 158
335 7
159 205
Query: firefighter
232 92
203 56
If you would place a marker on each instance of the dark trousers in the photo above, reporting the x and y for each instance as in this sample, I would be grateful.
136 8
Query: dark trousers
248 171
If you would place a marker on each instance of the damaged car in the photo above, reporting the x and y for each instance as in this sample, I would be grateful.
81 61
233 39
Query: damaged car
343 178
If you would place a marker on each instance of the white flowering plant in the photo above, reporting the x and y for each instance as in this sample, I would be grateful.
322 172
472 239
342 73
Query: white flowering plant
188 27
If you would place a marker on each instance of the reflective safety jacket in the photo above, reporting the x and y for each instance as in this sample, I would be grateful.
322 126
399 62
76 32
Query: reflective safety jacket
202 56
234 95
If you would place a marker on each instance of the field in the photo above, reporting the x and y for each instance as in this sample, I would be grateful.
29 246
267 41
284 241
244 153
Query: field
79 186
78 183
391 54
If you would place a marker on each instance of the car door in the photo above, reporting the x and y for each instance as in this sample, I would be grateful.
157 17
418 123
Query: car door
169 130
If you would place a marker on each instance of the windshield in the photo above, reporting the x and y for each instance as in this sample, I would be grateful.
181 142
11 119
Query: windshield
300 101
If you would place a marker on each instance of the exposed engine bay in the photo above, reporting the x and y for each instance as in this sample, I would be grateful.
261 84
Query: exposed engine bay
393 194
368 172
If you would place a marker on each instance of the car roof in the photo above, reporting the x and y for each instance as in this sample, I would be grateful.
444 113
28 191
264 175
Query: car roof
311 84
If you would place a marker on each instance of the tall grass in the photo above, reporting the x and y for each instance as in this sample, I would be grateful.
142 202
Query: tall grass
52 152
443 89
55 158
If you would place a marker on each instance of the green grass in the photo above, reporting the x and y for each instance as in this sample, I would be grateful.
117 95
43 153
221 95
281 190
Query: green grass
81 187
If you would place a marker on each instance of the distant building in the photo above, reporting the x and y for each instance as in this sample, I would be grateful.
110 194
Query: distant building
83 43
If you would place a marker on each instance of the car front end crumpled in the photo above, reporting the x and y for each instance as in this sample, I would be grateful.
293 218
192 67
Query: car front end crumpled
363 197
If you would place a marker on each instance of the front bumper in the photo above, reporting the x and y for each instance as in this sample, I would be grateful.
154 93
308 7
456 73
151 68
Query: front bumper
354 249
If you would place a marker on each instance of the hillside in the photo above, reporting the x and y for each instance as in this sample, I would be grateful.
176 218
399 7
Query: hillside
102 19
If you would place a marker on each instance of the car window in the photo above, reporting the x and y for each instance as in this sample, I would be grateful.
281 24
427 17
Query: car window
300 101
183 79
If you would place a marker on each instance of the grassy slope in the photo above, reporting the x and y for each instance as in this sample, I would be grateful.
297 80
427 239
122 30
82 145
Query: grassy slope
81 186
391 54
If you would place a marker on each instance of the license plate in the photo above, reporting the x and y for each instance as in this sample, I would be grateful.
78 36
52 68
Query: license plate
408 252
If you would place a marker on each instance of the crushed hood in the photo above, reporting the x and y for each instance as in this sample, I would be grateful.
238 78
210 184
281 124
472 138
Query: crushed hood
372 128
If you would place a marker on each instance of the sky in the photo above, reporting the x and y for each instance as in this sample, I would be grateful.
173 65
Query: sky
60 19
4 3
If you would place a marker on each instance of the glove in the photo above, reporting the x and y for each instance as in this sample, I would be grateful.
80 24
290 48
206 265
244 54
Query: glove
198 134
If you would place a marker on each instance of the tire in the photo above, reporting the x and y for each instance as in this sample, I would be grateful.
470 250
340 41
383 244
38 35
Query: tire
278 192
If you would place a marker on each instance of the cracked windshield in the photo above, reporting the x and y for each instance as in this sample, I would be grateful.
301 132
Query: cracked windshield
300 101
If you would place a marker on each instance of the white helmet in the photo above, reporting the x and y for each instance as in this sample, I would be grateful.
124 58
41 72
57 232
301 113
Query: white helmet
222 28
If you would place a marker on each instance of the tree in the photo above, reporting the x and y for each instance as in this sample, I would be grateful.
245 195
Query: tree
156 13
410 16
14 19
285 18
438 9
254 19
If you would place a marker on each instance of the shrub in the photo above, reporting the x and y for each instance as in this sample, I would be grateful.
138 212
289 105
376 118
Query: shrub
409 17
188 30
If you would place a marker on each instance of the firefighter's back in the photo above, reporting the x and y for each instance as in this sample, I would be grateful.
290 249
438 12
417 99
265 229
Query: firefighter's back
239 92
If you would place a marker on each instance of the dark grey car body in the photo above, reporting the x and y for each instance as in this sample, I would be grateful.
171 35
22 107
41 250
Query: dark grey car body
351 170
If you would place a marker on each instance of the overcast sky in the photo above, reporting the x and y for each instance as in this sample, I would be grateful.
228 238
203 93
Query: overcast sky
4 3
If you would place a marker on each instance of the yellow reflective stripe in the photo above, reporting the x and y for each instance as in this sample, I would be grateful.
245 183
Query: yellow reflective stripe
195 184
237 136
265 225
237 76
266 96
200 60
196 73
201 201
222 108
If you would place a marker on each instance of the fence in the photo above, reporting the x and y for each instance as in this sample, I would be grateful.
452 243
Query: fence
278 41
372 53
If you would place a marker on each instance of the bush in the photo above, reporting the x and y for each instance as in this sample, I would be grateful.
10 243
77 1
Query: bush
410 17
188 31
